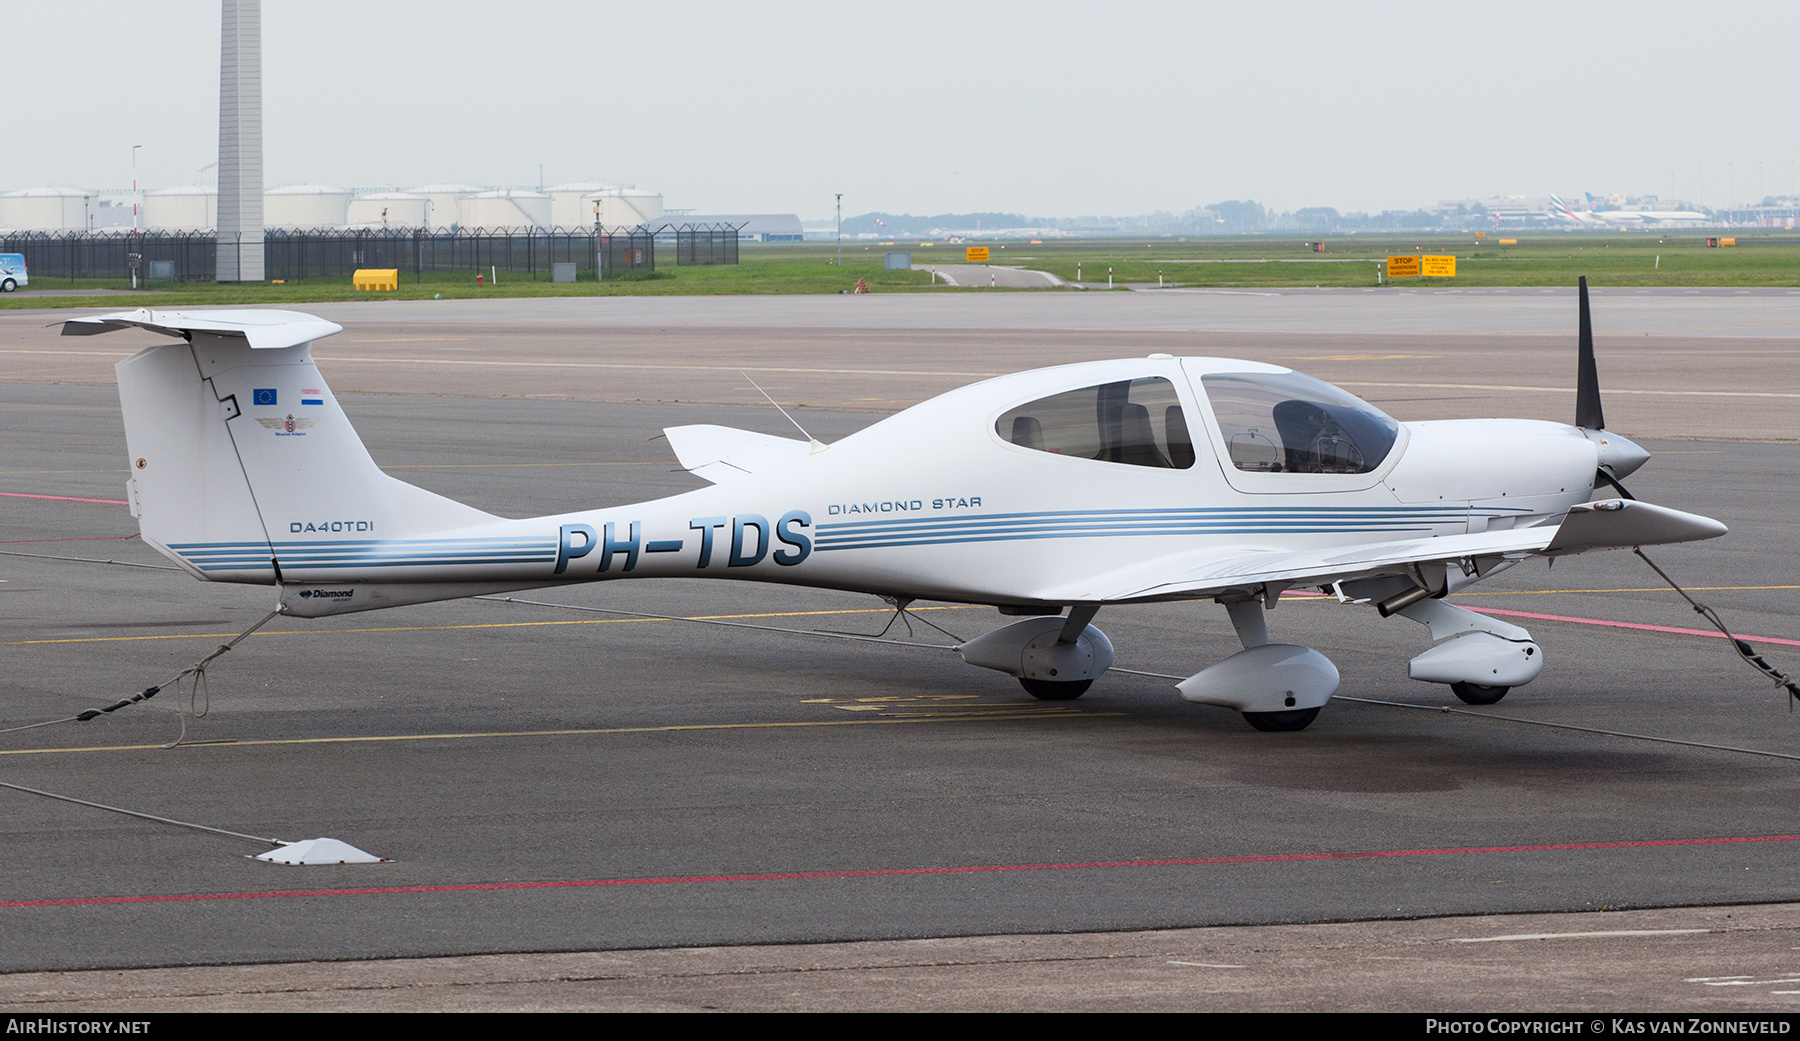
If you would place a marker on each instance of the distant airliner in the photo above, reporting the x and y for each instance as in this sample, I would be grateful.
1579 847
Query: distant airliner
1627 218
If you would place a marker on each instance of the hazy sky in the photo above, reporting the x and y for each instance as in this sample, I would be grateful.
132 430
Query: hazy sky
1044 108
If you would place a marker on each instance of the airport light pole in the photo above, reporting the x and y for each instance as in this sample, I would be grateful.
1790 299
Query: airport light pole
137 245
840 228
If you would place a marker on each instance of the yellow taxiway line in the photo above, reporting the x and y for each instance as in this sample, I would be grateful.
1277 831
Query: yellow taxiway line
961 715
478 625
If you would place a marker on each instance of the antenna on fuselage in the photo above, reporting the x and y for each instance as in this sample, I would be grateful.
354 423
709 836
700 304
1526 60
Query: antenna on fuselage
817 445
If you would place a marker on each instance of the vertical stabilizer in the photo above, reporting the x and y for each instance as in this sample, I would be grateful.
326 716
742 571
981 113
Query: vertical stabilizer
240 452
308 471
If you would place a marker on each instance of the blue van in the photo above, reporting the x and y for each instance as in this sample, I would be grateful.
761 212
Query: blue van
12 272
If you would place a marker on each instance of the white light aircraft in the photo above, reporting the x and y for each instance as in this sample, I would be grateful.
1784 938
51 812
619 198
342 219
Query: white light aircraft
1069 489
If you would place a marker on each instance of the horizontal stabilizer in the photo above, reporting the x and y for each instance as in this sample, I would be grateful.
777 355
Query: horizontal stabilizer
1611 524
719 454
260 329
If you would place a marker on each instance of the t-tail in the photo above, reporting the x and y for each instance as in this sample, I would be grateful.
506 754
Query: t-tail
241 457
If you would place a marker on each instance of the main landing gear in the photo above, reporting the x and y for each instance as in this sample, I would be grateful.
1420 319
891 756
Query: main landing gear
1276 686
1054 658
1477 694
1293 719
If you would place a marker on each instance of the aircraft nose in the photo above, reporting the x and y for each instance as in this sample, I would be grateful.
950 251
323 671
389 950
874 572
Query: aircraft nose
1618 456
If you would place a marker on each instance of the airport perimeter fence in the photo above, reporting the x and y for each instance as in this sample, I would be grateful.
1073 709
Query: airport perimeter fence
338 253
76 254
705 243
297 255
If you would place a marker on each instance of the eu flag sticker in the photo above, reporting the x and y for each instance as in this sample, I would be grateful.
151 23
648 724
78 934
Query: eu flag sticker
264 395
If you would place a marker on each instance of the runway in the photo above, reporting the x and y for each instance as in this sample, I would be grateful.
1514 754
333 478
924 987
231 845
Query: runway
547 780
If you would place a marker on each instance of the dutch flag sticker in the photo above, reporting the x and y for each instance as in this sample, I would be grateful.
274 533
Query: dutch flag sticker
309 396
264 395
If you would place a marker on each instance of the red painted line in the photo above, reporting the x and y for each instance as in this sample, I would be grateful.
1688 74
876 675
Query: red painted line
1715 634
66 498
979 869
84 538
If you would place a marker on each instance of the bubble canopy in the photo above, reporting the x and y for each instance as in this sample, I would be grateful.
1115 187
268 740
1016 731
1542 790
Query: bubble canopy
1292 423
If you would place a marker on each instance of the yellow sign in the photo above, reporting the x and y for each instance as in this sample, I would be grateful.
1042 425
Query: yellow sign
1509 242
1437 267
1403 267
977 254
1728 242
376 278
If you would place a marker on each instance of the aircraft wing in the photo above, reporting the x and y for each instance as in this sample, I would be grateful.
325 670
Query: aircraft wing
1611 524
719 454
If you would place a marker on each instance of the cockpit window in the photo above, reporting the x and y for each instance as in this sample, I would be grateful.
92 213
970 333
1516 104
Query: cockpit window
1290 423
1135 422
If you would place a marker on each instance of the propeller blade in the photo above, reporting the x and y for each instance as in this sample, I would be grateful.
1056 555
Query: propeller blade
1587 378
1618 457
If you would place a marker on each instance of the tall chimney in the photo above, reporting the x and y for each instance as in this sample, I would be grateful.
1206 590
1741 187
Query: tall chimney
240 143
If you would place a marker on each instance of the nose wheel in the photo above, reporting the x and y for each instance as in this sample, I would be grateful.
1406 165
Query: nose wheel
1478 694
1055 690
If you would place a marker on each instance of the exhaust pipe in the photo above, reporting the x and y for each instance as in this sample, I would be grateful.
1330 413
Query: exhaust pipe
1400 601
